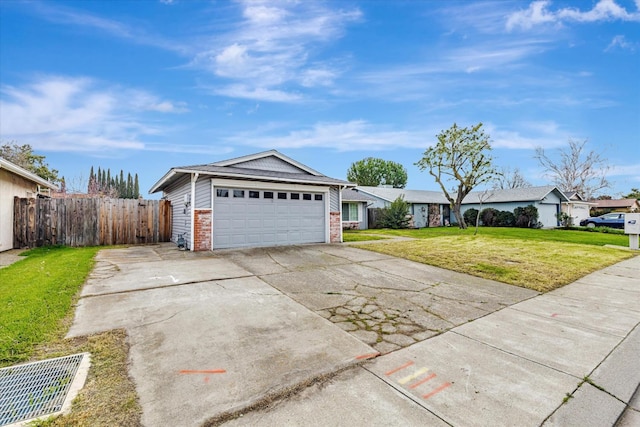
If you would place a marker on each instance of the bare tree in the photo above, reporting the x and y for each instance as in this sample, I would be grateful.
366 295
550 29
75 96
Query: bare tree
576 170
508 178
483 197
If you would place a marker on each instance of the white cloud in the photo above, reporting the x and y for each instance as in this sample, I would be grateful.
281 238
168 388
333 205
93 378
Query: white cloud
354 135
257 93
539 13
79 114
621 42
545 134
70 16
275 45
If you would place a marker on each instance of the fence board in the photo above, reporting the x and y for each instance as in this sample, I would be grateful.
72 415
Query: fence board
90 222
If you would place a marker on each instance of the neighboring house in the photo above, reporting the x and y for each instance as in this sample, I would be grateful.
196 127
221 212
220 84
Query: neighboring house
16 182
354 209
431 208
428 208
547 199
263 199
626 205
577 208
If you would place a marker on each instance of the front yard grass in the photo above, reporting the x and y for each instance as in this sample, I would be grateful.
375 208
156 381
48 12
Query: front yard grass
541 260
352 236
38 296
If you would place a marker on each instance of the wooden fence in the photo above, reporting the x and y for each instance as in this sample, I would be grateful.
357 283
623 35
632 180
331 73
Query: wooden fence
90 222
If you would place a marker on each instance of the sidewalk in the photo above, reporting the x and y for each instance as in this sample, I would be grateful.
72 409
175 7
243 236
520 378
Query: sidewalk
568 357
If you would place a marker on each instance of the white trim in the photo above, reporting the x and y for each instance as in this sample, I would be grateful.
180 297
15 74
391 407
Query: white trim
237 183
358 211
264 154
11 167
194 178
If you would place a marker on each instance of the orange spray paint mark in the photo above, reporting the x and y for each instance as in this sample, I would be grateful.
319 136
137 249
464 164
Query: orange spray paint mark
367 356
436 391
399 368
422 381
206 371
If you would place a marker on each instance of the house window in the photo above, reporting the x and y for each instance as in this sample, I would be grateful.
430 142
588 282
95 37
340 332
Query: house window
221 192
350 212
268 195
295 196
238 194
282 196
306 196
254 194
317 196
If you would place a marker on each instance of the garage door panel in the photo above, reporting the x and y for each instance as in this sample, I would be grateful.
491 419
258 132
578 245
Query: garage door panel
262 222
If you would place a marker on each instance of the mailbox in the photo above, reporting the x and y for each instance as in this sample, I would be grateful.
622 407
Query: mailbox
632 223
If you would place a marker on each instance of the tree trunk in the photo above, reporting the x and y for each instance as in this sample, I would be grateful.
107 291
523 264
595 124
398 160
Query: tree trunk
459 217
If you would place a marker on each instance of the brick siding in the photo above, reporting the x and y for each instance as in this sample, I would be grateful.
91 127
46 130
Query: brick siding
335 227
202 230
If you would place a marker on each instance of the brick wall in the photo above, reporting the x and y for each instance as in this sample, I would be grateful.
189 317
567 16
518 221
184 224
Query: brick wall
202 230
335 227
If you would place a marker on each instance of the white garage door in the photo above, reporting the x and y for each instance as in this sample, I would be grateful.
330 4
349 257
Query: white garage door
252 217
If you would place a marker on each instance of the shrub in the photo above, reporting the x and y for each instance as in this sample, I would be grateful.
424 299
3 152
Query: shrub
564 219
470 216
395 215
506 219
489 217
527 217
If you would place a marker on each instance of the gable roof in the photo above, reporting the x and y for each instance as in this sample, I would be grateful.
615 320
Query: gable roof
246 167
494 196
17 170
619 203
410 196
350 195
265 154
524 194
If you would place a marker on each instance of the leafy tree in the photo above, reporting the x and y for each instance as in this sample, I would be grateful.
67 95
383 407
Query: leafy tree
576 170
396 215
635 194
508 178
374 172
23 156
460 158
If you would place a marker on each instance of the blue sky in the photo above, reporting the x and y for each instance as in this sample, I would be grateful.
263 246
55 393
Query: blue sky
147 85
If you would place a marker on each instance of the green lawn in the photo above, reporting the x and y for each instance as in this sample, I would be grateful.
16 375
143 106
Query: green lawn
536 259
353 236
36 294
551 235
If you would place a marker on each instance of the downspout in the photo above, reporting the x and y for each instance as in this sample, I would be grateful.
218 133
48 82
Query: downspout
340 188
194 178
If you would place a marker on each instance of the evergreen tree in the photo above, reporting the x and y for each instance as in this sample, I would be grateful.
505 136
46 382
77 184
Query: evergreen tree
136 187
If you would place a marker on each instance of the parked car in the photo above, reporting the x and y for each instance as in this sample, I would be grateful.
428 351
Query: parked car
613 220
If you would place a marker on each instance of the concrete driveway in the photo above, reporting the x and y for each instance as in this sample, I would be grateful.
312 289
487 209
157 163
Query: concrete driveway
284 336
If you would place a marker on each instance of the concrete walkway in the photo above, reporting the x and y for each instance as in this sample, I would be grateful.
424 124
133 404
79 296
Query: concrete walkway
225 337
9 257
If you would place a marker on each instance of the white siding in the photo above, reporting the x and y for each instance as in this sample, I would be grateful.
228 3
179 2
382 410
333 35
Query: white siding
270 163
11 185
203 193
181 219
334 200
546 212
